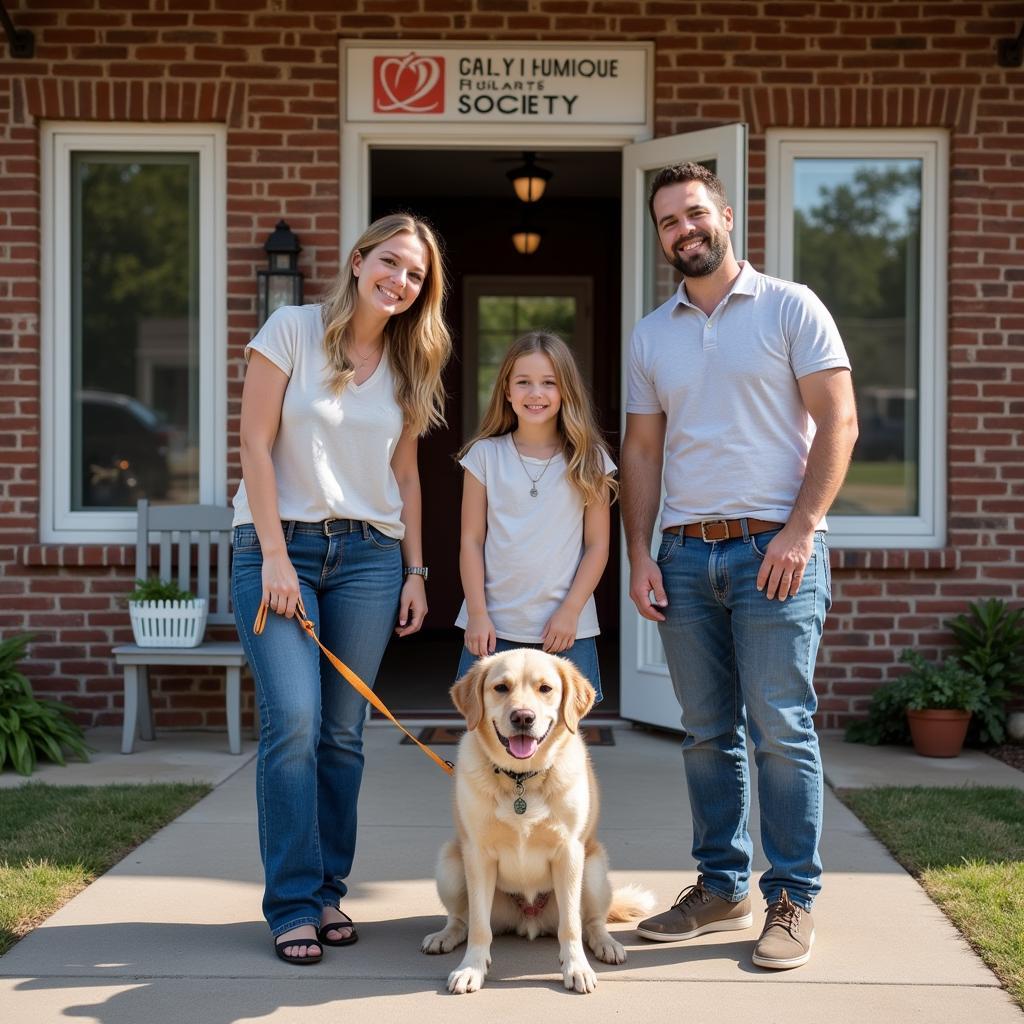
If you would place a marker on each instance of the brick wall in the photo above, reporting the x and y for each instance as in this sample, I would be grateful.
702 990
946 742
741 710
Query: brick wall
268 70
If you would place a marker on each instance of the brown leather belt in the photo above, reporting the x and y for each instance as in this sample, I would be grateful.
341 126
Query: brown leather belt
710 530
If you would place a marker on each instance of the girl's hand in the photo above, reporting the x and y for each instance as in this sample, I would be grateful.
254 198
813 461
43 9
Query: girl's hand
560 631
480 636
280 584
412 606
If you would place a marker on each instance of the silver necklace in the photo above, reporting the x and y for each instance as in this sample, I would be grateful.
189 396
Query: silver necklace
534 480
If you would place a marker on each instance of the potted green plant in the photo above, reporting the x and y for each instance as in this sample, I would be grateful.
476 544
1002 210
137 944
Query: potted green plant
29 727
939 700
164 615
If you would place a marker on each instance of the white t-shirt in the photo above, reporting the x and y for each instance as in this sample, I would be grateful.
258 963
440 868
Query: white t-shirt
737 432
332 455
533 545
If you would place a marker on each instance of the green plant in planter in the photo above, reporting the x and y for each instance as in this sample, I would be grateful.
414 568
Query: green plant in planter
30 727
156 589
990 642
945 685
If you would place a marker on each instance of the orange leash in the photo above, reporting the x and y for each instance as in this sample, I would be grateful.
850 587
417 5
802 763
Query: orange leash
353 680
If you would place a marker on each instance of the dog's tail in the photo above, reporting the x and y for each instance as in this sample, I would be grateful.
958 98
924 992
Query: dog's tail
630 902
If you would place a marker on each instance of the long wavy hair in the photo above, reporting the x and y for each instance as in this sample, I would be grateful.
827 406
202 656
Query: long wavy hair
582 444
417 341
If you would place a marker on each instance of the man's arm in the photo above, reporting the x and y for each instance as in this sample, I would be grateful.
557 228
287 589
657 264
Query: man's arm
643 449
828 397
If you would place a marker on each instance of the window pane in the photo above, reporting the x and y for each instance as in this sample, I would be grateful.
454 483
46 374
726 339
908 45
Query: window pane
135 384
856 238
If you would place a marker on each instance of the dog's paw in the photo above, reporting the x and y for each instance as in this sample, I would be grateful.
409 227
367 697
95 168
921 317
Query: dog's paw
443 941
608 951
579 976
466 979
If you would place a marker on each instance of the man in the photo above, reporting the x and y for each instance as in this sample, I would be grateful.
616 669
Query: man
740 387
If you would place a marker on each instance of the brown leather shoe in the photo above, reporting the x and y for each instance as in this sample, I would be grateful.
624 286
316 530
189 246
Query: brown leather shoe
787 937
695 912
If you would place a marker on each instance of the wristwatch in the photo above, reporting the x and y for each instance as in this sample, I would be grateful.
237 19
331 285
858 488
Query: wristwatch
416 570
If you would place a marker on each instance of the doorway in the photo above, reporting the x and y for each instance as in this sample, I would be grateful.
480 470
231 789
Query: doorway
572 284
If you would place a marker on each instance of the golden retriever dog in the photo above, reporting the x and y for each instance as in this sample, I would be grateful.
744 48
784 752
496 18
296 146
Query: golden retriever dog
526 858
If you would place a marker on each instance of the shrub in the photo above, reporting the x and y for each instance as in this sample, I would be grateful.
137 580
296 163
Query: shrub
990 642
30 727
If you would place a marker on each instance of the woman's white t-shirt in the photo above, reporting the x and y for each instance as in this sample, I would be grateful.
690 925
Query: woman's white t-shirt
533 545
332 454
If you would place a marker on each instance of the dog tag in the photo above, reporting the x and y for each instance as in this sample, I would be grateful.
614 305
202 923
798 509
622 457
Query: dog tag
520 805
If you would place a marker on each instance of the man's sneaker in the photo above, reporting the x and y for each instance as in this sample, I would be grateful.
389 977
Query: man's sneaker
695 912
787 937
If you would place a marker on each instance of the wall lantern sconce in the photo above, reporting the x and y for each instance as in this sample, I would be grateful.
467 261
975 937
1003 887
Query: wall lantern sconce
281 283
529 180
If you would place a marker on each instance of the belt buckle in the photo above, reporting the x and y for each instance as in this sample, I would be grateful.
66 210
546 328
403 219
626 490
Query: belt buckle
706 524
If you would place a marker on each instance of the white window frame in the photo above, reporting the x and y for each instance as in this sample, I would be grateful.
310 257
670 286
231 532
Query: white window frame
931 146
58 523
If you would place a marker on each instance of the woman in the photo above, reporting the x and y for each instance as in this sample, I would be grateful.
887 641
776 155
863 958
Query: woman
335 398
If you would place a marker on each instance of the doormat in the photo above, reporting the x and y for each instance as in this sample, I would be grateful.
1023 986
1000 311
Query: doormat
443 735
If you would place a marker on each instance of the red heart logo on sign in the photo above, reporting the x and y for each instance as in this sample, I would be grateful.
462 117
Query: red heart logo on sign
412 84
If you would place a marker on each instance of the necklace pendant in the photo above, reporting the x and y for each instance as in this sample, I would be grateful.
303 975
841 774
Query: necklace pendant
533 492
519 806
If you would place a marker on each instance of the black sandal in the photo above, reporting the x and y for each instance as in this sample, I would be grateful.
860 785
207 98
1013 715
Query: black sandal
335 926
281 944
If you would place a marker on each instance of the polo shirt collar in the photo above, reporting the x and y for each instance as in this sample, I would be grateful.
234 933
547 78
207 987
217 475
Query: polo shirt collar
745 284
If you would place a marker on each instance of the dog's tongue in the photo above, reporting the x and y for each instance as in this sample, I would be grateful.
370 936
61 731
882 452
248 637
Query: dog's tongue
522 746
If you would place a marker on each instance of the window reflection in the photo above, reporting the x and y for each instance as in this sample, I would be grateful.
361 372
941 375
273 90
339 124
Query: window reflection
856 244
135 330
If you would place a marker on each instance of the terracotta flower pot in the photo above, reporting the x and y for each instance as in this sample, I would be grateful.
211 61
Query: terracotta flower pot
938 732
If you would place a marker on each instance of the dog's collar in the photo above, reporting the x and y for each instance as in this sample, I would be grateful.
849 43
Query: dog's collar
519 804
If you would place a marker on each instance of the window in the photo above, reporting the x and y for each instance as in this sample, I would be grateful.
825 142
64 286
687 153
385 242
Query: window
133 339
860 217
499 310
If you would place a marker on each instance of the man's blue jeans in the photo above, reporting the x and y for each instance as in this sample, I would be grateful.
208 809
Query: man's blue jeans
740 661
311 721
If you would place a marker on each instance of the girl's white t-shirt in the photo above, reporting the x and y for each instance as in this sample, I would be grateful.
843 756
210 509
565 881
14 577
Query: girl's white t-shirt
533 546
332 454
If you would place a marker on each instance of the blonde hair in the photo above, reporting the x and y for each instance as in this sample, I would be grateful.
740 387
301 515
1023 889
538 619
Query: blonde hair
582 444
417 341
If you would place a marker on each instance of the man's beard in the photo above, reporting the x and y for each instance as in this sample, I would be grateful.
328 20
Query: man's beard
702 263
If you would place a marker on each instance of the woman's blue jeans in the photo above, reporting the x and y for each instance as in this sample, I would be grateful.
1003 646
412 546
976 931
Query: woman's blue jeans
740 661
310 761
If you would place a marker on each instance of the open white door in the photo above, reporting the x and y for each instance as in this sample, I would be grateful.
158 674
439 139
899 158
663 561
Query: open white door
647 282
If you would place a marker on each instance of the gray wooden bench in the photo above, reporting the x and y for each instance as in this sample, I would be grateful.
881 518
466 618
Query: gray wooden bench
185 534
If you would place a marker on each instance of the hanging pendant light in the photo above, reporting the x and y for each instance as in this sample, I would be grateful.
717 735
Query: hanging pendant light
526 241
529 180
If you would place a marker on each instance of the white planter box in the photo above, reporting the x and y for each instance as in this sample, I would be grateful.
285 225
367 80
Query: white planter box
168 623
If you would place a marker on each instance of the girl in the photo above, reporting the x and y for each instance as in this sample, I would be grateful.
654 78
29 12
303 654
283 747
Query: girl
535 519
328 511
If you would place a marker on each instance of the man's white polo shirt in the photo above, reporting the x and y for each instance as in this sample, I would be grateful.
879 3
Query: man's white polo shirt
737 433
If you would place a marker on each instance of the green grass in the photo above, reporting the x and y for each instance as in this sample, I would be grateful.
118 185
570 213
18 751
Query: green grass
55 840
966 847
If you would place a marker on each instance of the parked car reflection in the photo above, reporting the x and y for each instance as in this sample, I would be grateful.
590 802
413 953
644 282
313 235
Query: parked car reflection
124 447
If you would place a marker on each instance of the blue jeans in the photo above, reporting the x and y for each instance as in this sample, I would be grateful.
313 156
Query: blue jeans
310 761
583 654
738 660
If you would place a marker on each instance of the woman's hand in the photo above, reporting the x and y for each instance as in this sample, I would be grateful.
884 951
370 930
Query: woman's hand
412 606
560 631
280 585
480 636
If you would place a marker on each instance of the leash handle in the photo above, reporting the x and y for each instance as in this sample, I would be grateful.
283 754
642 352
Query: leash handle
352 679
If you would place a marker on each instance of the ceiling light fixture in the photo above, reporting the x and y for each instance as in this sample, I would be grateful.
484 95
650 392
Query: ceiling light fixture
528 179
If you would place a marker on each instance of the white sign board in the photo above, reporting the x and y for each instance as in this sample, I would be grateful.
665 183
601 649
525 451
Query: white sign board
495 83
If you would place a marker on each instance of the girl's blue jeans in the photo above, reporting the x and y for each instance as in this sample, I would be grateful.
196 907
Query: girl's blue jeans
739 661
310 761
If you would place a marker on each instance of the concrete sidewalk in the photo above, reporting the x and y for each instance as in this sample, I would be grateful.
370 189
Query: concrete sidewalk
173 932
